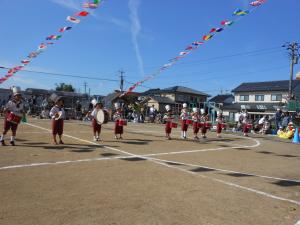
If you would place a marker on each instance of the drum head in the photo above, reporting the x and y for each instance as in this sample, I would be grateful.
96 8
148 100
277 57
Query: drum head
100 117
59 115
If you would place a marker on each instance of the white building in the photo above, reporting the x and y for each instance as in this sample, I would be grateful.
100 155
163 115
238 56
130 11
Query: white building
261 98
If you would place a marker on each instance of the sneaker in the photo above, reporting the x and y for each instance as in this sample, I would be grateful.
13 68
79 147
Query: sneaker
12 143
61 142
120 138
116 137
169 138
204 136
3 143
95 139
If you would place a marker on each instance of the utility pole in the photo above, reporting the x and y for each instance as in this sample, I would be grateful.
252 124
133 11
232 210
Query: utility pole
85 85
293 48
121 80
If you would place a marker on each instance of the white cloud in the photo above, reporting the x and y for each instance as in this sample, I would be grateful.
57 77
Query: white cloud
135 31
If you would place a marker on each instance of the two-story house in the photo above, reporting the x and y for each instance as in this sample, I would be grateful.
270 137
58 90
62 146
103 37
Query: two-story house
261 98
174 96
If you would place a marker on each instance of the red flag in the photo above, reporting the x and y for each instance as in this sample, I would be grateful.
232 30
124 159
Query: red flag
82 13
213 30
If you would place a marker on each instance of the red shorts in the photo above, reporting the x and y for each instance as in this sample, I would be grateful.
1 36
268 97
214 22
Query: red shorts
96 126
184 125
168 127
10 126
245 128
118 129
195 127
219 128
57 127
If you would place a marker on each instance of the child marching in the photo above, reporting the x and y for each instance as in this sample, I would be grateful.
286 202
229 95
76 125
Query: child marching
220 124
196 122
95 124
14 111
168 118
184 116
119 121
204 120
57 114
246 123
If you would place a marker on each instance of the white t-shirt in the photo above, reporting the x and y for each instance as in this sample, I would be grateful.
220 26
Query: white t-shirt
55 110
15 108
94 113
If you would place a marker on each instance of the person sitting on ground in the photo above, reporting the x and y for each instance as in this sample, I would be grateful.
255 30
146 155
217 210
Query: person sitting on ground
287 133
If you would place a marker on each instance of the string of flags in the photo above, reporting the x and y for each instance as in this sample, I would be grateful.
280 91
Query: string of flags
73 20
196 44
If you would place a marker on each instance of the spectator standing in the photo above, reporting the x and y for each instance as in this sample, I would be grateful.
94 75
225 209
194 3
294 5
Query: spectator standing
278 118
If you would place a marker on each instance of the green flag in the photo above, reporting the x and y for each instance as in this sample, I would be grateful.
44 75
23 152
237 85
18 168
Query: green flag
24 119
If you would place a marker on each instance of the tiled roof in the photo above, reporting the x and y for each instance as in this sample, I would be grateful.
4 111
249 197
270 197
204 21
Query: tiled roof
221 98
281 85
183 90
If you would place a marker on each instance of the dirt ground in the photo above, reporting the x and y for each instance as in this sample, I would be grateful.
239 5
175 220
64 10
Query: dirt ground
147 180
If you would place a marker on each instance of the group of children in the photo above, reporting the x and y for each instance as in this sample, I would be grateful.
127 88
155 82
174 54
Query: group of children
14 110
198 120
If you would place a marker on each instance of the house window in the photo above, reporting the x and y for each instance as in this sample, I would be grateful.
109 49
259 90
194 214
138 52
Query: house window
277 97
244 98
193 99
259 98
180 97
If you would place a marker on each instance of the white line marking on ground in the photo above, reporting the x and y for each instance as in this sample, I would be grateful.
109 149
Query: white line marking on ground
229 171
257 143
160 162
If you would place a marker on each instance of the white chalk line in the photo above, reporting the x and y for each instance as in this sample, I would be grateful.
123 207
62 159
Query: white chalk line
160 162
232 184
118 157
228 171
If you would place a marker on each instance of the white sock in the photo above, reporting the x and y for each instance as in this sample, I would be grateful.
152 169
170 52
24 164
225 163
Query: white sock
12 138
2 138
184 133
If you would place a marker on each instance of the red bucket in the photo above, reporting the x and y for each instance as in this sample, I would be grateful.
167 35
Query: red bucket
249 125
13 118
122 122
174 125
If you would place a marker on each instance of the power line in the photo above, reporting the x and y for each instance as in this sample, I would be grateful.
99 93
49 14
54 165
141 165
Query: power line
220 58
241 74
65 75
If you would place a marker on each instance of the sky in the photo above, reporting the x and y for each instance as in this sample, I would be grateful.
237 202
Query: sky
139 36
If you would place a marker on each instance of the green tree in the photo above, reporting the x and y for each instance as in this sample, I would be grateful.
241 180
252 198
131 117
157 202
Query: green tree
64 87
